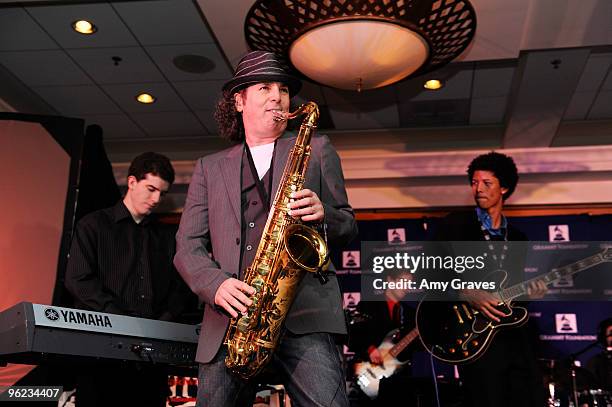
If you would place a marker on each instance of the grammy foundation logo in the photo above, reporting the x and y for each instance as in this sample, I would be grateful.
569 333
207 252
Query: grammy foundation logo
350 300
396 236
566 323
558 233
350 259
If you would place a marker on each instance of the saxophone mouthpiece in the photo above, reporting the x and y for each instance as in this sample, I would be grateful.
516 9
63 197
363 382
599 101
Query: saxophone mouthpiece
280 116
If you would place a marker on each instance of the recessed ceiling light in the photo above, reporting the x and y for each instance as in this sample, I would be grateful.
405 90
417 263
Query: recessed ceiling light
84 27
193 63
433 84
146 98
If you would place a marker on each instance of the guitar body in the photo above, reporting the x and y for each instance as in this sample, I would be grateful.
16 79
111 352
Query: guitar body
456 333
368 375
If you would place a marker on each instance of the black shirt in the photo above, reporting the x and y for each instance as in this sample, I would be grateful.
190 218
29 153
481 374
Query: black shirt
119 266
374 322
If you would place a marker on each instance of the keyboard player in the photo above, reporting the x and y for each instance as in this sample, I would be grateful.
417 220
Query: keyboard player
121 263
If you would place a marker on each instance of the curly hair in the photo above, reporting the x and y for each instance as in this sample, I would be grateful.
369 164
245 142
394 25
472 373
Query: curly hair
501 165
228 119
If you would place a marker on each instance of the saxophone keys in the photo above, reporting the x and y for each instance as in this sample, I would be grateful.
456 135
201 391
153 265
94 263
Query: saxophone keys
244 324
257 284
254 304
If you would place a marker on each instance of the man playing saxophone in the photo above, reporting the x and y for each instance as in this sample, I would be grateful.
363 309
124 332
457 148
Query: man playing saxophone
224 216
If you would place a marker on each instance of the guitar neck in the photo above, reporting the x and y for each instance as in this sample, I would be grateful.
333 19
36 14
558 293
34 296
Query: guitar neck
552 276
405 341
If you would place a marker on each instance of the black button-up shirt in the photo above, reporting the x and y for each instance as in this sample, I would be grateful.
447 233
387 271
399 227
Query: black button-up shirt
119 266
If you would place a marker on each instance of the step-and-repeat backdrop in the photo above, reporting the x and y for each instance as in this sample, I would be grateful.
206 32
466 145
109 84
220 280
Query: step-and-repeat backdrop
565 322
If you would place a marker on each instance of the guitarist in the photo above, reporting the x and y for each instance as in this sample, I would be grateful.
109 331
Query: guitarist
506 375
379 318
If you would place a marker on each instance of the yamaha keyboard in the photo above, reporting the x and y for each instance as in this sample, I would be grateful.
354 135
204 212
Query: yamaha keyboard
35 333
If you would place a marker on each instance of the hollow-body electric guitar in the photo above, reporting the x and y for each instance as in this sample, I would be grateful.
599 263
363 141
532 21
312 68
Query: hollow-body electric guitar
369 375
456 333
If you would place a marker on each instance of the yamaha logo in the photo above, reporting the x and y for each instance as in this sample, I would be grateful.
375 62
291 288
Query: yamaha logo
51 314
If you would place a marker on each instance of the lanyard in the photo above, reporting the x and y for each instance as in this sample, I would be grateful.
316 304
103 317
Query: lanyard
263 194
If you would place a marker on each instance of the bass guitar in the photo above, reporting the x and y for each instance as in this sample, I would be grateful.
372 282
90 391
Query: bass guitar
456 333
369 375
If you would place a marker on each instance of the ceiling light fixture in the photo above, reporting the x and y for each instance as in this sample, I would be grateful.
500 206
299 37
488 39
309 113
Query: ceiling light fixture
146 98
193 63
433 84
84 27
362 44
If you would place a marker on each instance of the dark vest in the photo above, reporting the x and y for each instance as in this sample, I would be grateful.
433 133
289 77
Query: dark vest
254 213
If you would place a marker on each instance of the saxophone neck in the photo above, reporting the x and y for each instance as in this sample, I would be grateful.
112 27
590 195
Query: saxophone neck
309 124
311 110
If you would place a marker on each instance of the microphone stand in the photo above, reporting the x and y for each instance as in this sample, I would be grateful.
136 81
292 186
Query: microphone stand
572 359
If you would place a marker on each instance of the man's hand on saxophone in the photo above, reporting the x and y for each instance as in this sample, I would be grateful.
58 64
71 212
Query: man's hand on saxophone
232 296
306 206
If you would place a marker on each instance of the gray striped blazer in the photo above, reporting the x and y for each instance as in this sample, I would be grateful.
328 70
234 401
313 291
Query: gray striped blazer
211 218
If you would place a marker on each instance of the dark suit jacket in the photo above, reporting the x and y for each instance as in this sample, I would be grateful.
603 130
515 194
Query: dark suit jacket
465 226
211 220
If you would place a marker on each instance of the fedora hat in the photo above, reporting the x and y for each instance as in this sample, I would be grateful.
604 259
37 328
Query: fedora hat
262 66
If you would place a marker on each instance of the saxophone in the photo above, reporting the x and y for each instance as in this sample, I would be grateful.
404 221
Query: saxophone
286 251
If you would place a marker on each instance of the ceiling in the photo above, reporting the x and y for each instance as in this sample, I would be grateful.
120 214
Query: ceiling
538 74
